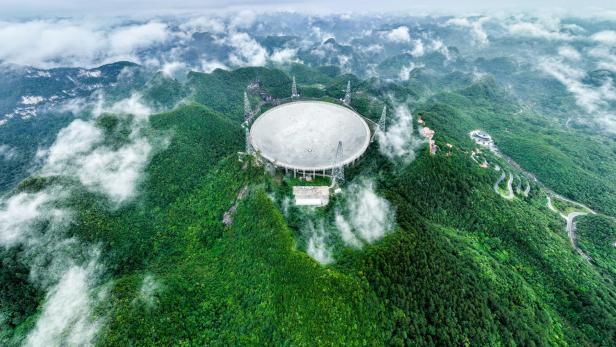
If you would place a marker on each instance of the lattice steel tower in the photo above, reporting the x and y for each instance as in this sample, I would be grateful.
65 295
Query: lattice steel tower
247 110
383 119
338 170
249 149
347 95
294 93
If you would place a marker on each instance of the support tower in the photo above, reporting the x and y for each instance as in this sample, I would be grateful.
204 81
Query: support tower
247 109
347 95
383 119
338 170
294 93
249 149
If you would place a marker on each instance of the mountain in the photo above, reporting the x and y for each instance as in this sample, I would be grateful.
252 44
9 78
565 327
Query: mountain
463 265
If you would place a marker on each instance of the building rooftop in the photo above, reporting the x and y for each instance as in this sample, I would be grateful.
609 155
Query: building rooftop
311 195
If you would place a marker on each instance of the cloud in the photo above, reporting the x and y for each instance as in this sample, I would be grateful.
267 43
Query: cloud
243 19
52 43
607 37
405 71
7 152
246 51
400 34
39 221
80 151
129 39
594 100
67 317
20 213
606 59
366 217
211 65
147 291
589 98
174 69
569 52
400 141
476 28
203 24
284 55
317 246
547 28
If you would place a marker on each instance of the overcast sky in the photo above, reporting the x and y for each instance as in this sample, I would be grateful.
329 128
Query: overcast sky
70 8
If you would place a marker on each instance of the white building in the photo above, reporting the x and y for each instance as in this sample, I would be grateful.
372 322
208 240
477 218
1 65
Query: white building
311 195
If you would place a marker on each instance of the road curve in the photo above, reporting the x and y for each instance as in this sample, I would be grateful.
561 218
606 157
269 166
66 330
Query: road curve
571 232
509 194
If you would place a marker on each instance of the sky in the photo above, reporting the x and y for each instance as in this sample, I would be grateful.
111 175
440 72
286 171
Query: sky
70 8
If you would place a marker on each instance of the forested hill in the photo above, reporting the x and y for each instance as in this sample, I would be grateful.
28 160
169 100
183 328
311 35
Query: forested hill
462 265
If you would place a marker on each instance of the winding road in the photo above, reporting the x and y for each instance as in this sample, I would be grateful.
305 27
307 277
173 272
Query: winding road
571 233
509 194
570 219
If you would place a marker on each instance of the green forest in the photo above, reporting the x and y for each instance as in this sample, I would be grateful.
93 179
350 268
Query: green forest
463 266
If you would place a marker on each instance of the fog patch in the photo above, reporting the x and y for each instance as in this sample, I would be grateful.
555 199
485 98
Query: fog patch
317 246
174 69
208 66
400 141
475 27
203 24
366 217
285 55
20 213
570 53
80 151
594 100
147 292
405 71
7 152
67 317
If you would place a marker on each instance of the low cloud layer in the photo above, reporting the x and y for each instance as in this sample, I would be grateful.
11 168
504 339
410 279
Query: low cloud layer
38 221
475 27
80 151
67 317
594 100
50 43
7 152
366 217
363 218
317 246
400 141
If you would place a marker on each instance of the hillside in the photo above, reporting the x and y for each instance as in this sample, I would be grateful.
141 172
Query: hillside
460 265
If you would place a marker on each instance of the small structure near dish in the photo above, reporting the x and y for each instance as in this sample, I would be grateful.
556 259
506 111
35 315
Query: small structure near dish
311 195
